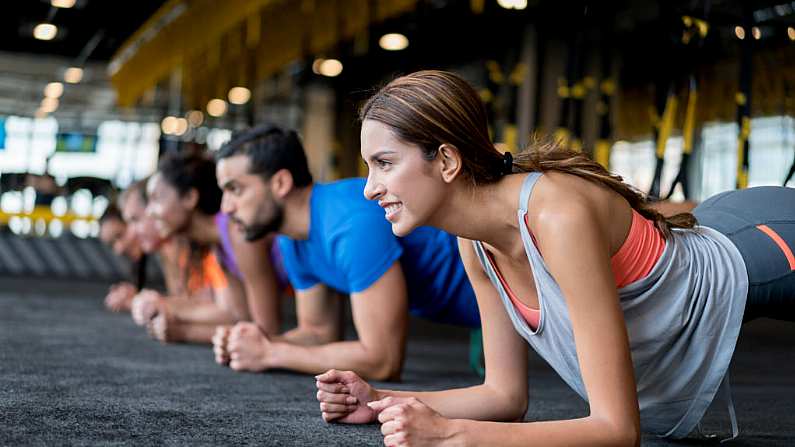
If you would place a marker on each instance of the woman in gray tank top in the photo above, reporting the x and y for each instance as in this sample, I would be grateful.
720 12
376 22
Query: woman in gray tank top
649 356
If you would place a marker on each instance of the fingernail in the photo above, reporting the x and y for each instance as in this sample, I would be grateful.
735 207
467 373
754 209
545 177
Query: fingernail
345 390
351 400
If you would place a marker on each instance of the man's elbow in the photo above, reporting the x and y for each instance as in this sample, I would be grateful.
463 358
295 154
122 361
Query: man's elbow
326 334
383 368
317 334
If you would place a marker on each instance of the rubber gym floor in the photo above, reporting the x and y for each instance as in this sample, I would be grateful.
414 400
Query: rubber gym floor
72 373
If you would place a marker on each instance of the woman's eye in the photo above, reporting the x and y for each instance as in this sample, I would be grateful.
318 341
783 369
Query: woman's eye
382 163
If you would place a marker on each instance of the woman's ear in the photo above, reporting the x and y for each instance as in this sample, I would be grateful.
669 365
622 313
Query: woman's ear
281 183
450 161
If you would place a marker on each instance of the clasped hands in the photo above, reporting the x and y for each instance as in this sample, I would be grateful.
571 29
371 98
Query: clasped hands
405 421
243 347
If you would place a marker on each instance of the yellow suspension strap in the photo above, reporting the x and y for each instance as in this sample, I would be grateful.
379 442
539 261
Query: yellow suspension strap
510 133
694 31
607 88
477 6
744 123
573 86
603 144
688 138
664 129
563 134
578 92
490 96
788 107
743 99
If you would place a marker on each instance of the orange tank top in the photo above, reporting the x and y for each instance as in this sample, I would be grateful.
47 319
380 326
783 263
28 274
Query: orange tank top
633 261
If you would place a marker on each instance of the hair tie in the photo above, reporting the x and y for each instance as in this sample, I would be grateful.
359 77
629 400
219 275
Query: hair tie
507 163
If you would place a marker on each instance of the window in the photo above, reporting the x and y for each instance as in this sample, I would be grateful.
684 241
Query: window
714 165
635 162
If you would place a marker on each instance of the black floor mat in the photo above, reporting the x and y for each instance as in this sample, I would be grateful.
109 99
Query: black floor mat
72 373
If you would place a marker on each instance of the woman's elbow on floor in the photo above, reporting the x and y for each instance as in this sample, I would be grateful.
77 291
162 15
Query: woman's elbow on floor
625 435
512 404
630 438
516 409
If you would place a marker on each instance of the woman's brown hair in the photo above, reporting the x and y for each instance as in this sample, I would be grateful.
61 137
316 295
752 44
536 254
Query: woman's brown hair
430 108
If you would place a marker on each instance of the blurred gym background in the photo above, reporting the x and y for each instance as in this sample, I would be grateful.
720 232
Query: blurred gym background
683 98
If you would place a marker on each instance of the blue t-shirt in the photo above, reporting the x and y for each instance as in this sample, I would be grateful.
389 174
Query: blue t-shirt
351 245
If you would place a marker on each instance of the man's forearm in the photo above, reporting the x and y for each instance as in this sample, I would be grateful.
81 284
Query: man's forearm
264 307
303 337
348 355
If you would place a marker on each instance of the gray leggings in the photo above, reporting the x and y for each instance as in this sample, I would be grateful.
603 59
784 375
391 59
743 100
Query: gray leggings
761 223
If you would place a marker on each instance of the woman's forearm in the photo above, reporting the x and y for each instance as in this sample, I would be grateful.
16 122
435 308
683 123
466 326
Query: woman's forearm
478 402
347 355
194 332
589 431
195 311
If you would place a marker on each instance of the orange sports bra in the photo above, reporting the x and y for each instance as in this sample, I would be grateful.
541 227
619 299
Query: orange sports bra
633 261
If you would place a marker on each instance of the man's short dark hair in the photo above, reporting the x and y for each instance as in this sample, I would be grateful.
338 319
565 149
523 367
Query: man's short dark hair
192 170
269 149
111 213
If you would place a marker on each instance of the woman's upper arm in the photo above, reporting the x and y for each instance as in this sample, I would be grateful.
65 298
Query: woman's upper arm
576 250
504 349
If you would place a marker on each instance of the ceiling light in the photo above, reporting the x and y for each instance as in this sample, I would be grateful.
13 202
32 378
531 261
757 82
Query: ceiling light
195 118
393 42
239 95
756 32
513 4
316 65
169 125
791 33
73 75
49 104
53 90
62 3
180 126
739 31
216 107
327 67
45 31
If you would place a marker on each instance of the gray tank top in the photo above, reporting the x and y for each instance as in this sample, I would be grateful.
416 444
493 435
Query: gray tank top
683 320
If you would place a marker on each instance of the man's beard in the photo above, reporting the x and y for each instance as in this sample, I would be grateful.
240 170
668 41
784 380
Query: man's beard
258 230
